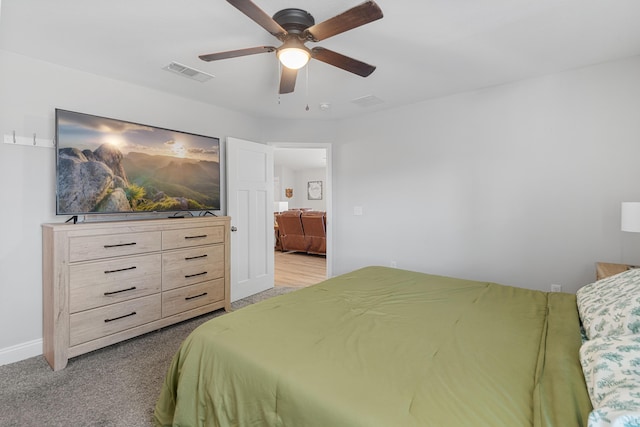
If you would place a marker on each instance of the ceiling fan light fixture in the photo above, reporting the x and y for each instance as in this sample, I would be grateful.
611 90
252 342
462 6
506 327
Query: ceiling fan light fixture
295 27
293 57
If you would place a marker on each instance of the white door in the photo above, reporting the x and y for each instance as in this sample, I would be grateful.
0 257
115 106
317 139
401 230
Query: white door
250 206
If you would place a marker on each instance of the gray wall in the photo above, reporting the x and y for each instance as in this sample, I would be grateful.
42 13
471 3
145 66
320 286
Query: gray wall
519 184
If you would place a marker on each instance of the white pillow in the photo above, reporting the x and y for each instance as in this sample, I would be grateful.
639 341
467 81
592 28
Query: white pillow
611 306
611 367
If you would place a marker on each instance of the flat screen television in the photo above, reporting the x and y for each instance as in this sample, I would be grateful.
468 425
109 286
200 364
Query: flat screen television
110 166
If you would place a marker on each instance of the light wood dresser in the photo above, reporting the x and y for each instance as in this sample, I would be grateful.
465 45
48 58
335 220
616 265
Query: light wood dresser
105 282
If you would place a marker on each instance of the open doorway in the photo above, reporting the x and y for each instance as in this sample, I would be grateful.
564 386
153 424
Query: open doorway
302 189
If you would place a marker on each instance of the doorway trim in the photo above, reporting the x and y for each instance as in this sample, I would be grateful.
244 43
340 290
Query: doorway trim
328 191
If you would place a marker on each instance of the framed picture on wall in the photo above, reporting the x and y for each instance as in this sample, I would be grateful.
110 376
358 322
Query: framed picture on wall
314 190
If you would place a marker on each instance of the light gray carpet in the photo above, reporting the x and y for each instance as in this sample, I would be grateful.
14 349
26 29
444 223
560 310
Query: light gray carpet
114 386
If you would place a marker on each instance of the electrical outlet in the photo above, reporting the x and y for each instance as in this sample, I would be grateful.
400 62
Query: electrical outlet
556 288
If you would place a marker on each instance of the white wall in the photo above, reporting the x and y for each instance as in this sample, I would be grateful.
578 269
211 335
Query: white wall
301 178
30 90
298 179
519 184
286 177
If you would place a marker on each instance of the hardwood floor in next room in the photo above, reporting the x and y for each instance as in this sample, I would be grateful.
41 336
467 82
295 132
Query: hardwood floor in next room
299 269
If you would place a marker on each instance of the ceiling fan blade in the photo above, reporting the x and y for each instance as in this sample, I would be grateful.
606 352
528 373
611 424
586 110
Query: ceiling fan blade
341 61
236 53
258 15
359 15
288 80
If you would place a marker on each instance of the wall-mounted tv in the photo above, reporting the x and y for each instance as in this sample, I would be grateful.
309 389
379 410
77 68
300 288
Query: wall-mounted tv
111 166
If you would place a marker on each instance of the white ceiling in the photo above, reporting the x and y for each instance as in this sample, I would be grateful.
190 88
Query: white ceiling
423 49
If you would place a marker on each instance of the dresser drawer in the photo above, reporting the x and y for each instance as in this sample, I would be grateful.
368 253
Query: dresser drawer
96 247
189 266
99 322
194 265
184 238
106 282
189 297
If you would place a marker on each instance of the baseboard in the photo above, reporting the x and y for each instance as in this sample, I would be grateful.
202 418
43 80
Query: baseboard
20 352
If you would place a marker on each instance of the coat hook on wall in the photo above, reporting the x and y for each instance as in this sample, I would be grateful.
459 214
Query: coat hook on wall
34 141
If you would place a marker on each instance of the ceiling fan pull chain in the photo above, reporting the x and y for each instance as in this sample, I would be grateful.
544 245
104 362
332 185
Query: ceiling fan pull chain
307 87
278 76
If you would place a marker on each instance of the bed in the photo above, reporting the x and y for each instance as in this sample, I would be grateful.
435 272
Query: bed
383 347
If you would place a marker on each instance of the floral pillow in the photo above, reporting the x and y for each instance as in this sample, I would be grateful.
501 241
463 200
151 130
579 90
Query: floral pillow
611 306
611 367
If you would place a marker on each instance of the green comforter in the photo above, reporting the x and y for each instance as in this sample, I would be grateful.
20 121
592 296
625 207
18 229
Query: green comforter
383 347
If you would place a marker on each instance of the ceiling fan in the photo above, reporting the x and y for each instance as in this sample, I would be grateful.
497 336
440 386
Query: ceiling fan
294 27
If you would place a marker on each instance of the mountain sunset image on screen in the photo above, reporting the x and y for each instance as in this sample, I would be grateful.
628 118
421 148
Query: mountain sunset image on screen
106 165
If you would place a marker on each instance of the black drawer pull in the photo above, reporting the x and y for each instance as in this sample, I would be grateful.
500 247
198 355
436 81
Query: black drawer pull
121 317
195 296
194 275
120 269
106 294
195 257
196 237
120 244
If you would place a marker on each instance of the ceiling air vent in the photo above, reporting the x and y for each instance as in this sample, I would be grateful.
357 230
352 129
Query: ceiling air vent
191 73
367 101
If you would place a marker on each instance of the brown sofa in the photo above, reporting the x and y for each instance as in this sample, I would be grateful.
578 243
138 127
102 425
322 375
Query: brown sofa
303 231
